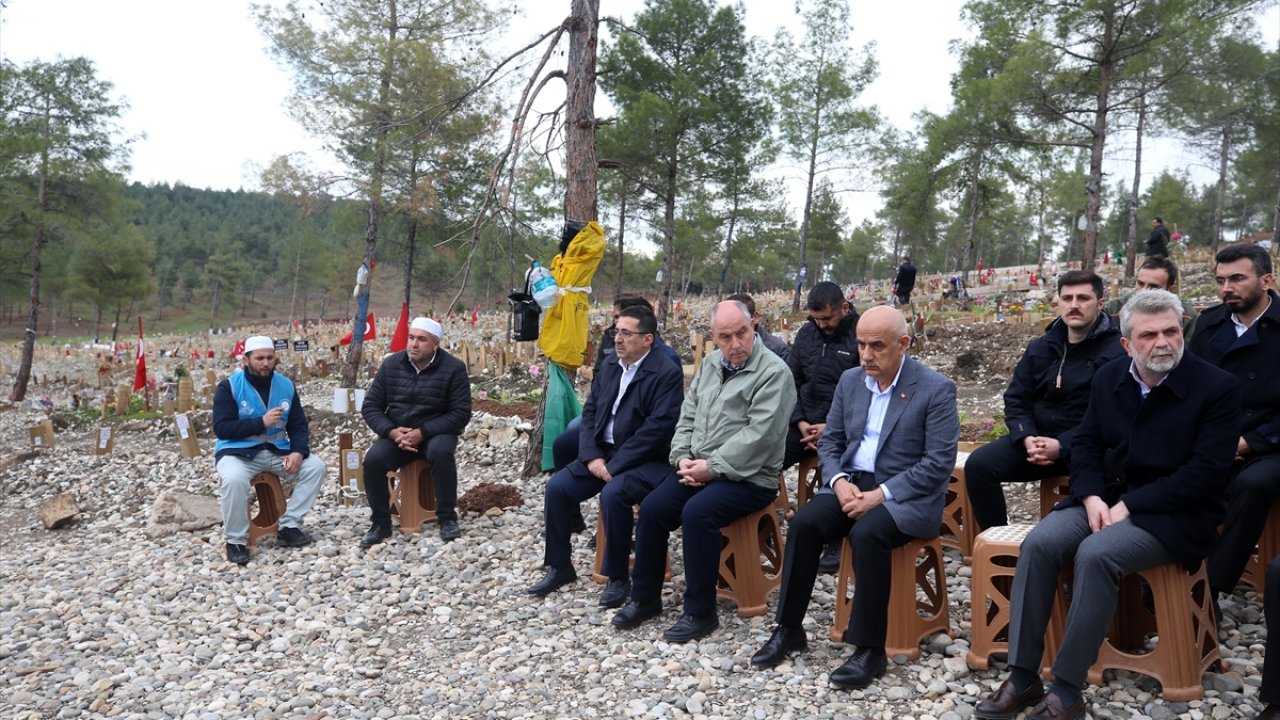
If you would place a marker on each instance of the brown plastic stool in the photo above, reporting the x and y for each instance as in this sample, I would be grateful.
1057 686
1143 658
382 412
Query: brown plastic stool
910 618
1255 572
808 480
995 557
1187 642
751 555
1053 490
957 516
413 495
271 505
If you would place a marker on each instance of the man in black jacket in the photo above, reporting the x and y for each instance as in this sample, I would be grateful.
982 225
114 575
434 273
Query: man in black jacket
418 404
1158 242
1046 398
627 424
1242 336
905 281
1148 470
825 346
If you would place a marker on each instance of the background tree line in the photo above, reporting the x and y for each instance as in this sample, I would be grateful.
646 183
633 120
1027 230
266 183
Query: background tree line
451 178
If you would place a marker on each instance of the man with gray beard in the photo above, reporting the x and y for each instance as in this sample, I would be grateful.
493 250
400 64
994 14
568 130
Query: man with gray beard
1149 466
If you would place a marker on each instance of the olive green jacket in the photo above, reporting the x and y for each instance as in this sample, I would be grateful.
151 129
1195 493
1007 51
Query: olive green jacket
739 425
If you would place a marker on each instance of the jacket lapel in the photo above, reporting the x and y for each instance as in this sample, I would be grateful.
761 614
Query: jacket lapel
898 401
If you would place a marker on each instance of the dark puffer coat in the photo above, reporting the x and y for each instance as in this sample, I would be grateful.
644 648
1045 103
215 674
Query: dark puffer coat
437 400
817 361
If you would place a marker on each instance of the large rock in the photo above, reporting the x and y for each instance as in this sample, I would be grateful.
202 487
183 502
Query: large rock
58 510
176 511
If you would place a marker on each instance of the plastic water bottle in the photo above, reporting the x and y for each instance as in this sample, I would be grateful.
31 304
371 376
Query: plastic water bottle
543 286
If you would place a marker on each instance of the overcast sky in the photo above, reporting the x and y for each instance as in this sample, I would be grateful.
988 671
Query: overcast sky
207 104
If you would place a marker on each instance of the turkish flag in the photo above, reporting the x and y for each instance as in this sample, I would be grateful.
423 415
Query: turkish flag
238 350
140 371
400 340
475 315
370 332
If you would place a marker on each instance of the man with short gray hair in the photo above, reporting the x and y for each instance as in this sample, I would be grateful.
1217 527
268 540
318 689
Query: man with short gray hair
1149 466
726 456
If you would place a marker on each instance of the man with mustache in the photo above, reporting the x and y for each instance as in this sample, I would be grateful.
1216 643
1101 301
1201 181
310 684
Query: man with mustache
1148 469
1046 399
1242 336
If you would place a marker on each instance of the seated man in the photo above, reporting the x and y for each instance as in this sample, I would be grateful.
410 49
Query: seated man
565 447
887 454
253 439
627 425
775 344
1156 273
1148 471
1242 336
727 452
1046 399
418 404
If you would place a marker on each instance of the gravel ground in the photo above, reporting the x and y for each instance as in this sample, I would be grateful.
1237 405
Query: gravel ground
96 620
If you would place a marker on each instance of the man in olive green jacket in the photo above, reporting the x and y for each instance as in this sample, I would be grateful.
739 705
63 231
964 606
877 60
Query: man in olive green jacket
726 456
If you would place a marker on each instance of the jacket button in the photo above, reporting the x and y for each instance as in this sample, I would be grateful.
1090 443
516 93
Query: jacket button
1248 413
1253 376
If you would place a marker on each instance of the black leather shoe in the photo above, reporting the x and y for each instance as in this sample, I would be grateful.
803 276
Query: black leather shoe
377 533
690 627
1270 712
1006 702
615 593
293 537
1051 708
636 613
860 670
829 563
556 578
449 530
784 641
237 554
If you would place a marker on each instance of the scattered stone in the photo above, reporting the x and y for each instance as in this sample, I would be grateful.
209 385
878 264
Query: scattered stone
179 511
58 511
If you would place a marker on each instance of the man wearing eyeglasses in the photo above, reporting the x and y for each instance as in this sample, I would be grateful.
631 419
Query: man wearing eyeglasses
1242 336
627 424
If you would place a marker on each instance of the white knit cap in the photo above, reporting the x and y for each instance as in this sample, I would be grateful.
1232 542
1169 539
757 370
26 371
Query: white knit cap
258 342
426 324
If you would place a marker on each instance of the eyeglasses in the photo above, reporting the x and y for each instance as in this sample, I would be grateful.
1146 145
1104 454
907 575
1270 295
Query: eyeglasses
1236 279
629 333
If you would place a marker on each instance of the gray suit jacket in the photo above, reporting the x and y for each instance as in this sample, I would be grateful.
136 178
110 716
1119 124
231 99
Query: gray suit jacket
917 442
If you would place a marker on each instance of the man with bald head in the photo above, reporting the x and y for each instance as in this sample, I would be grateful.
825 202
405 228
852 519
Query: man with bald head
887 454
725 456
418 404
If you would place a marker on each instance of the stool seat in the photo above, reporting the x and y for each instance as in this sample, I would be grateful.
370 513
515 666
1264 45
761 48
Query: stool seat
271 506
413 495
751 556
995 558
911 617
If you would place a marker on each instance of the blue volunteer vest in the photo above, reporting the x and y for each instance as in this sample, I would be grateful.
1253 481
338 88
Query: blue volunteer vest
249 404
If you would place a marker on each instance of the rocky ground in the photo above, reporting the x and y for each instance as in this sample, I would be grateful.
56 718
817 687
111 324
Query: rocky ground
98 620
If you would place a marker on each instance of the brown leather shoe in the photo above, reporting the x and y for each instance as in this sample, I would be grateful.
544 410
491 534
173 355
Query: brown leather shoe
1006 702
1050 708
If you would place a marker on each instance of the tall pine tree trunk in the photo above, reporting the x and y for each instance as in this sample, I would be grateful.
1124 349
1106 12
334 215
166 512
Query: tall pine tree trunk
1131 247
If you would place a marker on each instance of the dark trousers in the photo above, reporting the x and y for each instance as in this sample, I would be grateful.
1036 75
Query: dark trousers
873 537
1270 691
564 449
618 497
1252 491
385 456
701 512
989 467
796 451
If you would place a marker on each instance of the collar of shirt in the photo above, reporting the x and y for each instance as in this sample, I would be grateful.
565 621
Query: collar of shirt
628 369
1142 385
1241 328
424 367
874 386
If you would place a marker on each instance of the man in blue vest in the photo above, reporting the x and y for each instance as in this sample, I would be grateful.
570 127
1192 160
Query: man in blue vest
261 427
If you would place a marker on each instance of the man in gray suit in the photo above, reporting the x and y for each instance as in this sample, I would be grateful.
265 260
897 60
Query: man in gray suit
886 455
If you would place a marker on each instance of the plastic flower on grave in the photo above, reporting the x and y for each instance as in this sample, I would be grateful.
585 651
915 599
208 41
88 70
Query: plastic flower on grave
534 370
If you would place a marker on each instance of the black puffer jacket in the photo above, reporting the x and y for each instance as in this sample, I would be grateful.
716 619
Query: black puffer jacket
437 400
817 361
1050 388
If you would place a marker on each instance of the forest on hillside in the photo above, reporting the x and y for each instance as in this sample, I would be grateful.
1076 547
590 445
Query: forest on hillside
452 180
